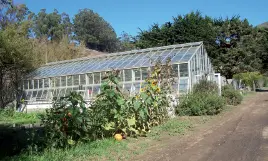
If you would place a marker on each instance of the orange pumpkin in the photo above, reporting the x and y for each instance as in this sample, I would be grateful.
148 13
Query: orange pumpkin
118 137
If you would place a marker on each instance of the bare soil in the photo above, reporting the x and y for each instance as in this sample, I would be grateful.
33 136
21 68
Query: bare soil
240 134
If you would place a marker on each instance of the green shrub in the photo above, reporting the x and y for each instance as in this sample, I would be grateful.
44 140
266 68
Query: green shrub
232 96
203 100
67 122
204 86
197 104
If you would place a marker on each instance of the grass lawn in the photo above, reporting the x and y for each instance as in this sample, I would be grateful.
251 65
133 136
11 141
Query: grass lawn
109 149
18 118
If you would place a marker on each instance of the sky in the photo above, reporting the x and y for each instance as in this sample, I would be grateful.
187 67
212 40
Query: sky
130 15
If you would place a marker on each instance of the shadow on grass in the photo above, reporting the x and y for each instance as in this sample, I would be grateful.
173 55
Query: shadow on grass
15 139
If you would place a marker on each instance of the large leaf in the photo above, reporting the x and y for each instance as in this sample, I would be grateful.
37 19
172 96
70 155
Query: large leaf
137 105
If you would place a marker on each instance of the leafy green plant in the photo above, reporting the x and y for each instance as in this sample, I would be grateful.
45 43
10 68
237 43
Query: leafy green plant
249 78
150 105
110 111
203 100
205 86
67 122
232 96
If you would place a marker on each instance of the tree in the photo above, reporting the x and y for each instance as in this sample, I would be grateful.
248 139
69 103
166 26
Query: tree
191 27
126 42
52 26
16 60
233 44
236 49
13 14
94 31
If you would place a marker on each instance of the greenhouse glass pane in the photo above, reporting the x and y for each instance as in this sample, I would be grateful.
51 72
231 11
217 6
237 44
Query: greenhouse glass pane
35 83
76 80
44 94
82 79
169 54
184 70
69 80
25 84
141 58
137 73
96 90
34 93
63 81
127 87
57 81
183 85
127 60
46 83
150 59
128 75
39 94
136 87
62 92
56 92
118 62
132 62
31 84
144 73
89 90
68 91
90 78
190 53
28 95
96 78
41 83
179 55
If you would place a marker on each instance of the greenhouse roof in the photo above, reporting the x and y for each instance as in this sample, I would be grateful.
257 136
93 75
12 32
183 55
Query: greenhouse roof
124 60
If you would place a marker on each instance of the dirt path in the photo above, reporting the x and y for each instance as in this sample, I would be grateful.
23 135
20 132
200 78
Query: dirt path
237 135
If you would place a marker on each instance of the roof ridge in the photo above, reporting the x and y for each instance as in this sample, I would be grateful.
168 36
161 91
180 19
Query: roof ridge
125 52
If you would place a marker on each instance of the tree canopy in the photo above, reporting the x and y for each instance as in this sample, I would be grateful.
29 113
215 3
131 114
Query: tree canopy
234 45
53 26
94 31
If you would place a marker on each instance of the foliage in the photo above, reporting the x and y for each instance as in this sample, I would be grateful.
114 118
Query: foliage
94 31
206 87
9 116
52 26
51 51
233 44
232 96
126 42
249 78
16 61
197 104
67 122
111 113
11 14
150 105
203 100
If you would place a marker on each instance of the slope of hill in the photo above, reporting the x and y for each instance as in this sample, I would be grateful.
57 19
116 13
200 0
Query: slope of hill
263 25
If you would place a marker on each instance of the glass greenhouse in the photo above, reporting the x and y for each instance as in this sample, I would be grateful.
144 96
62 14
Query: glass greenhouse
190 62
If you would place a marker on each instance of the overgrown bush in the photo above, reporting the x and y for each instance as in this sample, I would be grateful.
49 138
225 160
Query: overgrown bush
232 96
205 87
110 111
203 100
197 104
67 122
